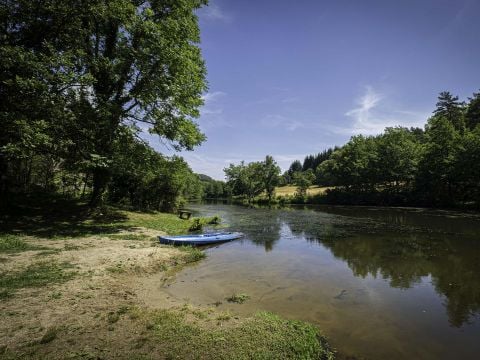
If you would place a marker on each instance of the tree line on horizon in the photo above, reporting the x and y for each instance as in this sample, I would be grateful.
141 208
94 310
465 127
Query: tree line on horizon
436 166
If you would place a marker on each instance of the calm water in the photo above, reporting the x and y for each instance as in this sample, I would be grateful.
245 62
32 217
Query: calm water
380 283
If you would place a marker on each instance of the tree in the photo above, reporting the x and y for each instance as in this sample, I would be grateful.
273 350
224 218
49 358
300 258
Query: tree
303 180
398 156
145 179
467 167
472 115
295 167
271 172
252 179
104 65
436 177
451 109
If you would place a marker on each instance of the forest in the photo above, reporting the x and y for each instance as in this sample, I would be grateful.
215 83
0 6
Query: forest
438 166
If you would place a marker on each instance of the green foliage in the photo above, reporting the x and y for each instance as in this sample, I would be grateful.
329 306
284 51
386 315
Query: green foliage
238 298
303 180
451 109
214 189
15 243
398 157
196 225
254 178
264 336
438 166
191 254
215 220
145 179
74 75
271 172
472 115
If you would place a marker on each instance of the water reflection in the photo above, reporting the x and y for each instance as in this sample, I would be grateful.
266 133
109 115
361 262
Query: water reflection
404 258
402 247
404 261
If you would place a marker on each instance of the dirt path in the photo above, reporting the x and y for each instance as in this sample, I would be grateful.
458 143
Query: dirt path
81 314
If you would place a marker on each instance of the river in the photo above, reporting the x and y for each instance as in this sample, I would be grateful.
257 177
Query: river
380 283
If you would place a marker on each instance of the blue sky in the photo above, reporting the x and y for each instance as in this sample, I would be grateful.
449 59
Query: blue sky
292 78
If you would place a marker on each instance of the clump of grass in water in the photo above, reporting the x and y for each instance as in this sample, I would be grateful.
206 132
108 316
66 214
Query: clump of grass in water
197 225
238 298
215 220
36 275
191 254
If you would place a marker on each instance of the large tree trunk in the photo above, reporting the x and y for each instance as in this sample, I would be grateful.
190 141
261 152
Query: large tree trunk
4 191
101 176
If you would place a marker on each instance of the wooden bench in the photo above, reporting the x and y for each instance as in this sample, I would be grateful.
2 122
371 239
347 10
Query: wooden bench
184 214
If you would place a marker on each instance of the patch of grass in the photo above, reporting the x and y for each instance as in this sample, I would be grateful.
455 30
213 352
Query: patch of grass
224 316
5 294
191 254
49 252
168 223
14 243
55 295
49 336
238 298
70 247
264 336
117 268
35 275
128 237
113 317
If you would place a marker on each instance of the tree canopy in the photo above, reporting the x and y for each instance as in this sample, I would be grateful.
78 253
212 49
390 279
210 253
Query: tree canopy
75 75
252 179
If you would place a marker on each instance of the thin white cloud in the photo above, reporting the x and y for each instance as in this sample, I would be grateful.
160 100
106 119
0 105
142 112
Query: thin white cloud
212 110
213 12
212 96
372 116
211 105
202 164
275 120
291 100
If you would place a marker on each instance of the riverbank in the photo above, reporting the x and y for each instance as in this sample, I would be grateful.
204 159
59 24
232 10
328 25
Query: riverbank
316 195
75 285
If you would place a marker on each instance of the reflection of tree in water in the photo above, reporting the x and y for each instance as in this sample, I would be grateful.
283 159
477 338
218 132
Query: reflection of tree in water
398 250
404 259
261 229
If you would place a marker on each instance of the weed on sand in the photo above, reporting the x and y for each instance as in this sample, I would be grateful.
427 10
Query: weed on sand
263 336
15 243
35 275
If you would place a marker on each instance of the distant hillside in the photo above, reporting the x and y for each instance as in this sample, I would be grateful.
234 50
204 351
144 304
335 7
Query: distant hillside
204 177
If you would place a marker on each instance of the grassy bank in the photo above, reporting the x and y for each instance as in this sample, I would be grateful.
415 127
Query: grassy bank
292 190
73 285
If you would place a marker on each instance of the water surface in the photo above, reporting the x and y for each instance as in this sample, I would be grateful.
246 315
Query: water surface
380 283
